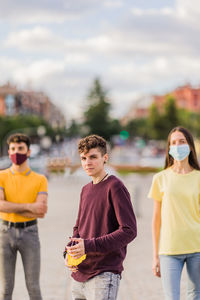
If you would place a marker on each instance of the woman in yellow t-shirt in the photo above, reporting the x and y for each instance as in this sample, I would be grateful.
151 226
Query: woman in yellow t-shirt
176 216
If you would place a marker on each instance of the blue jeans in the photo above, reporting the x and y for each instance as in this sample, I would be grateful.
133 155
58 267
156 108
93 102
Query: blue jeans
171 267
26 242
101 287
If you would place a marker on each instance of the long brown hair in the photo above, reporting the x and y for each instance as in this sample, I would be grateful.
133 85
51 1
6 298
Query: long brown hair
193 161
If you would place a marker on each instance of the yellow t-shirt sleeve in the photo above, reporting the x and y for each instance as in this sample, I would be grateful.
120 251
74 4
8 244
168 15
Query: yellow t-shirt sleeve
1 182
155 189
43 185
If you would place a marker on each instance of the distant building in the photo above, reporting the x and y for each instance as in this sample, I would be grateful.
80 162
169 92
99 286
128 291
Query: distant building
186 97
138 110
18 102
7 99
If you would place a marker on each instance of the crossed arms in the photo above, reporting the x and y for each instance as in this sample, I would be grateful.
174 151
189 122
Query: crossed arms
37 209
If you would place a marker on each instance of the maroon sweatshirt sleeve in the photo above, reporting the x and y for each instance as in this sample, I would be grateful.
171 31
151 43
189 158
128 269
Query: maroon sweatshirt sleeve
75 228
127 230
75 231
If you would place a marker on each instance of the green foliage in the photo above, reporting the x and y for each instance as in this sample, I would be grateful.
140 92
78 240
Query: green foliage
74 129
170 115
190 120
97 118
159 123
137 127
25 124
97 93
156 126
156 123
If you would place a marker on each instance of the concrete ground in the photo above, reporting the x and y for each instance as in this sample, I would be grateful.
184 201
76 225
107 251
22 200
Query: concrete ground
138 282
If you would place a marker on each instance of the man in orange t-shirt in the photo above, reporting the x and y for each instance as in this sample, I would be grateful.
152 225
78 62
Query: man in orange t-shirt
23 199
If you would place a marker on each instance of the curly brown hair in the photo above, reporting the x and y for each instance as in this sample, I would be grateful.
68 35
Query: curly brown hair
18 138
92 141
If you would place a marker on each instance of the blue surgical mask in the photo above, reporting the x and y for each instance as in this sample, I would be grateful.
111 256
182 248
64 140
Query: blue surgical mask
179 152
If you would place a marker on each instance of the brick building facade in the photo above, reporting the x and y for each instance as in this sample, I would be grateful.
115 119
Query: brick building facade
19 102
186 97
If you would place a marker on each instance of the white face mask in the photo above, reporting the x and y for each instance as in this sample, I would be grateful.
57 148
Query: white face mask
179 152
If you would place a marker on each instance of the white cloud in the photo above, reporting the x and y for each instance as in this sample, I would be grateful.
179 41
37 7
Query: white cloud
7 67
133 50
36 39
128 40
41 11
188 10
153 75
151 12
113 3
38 70
41 39
76 58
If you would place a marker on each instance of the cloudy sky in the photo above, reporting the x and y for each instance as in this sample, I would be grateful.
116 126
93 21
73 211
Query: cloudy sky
135 46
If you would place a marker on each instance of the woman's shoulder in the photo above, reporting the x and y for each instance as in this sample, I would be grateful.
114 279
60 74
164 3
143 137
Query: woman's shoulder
161 173
196 172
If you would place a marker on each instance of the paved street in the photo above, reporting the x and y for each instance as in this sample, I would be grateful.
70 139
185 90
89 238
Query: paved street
137 283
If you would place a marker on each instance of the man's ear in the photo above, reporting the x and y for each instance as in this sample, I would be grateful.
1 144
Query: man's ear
29 152
105 158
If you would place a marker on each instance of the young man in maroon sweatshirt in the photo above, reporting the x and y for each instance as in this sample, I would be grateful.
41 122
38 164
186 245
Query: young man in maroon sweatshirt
105 225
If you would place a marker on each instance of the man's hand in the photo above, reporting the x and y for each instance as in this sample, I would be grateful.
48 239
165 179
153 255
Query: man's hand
73 269
31 215
39 207
36 209
78 249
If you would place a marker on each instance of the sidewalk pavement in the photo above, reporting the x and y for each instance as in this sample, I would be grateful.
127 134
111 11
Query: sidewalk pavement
138 282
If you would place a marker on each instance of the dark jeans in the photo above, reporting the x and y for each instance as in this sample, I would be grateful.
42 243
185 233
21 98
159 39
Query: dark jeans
26 242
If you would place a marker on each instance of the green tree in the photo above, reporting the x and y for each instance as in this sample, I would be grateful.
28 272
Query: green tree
160 123
156 123
26 124
171 116
74 129
190 120
97 93
97 118
138 128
